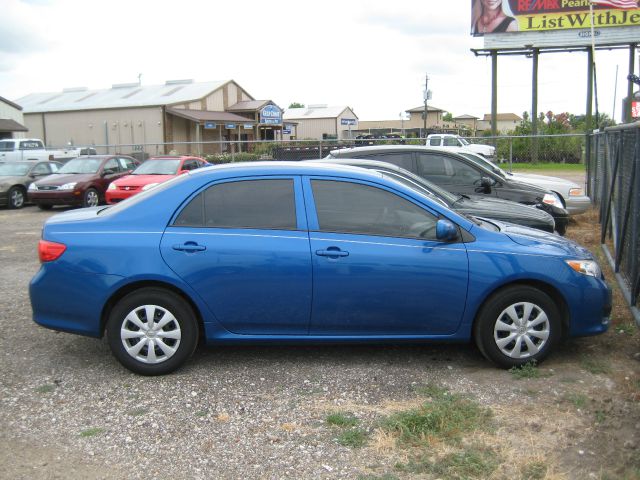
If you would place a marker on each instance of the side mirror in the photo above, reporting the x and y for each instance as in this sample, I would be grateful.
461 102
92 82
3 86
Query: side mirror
446 230
486 184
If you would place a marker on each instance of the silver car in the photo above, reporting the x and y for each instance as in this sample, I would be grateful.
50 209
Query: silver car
15 178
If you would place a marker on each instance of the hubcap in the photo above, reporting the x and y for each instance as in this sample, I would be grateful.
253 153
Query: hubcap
150 334
17 198
92 199
521 330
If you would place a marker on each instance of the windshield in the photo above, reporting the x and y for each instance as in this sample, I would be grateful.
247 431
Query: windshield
463 141
14 169
158 167
81 165
485 163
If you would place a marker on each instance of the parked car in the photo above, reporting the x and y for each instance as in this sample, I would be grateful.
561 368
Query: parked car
81 181
20 149
570 193
272 252
151 173
448 140
15 178
475 205
461 175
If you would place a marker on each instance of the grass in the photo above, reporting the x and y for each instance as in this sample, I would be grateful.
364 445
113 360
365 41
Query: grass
557 167
432 391
472 462
385 476
601 416
534 471
627 328
45 388
445 417
528 370
91 432
595 365
354 437
341 420
577 399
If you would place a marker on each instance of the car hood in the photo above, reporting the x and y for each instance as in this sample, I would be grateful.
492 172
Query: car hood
544 242
521 185
543 179
142 180
60 179
13 179
505 211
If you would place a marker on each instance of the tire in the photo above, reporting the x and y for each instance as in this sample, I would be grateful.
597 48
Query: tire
91 198
130 338
503 340
45 206
16 197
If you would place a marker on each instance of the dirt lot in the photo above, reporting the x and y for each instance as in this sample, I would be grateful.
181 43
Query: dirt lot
68 410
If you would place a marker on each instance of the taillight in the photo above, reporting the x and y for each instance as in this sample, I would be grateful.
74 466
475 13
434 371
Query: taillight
50 251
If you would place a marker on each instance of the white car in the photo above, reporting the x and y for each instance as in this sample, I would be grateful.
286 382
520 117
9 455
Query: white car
448 140
571 194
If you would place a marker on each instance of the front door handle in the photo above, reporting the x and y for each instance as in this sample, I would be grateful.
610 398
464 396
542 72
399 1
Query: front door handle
189 247
332 252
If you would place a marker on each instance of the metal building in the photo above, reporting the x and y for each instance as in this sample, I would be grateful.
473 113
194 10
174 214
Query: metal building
11 120
320 122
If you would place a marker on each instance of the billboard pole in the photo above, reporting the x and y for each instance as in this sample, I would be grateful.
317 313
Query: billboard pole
494 94
534 105
632 53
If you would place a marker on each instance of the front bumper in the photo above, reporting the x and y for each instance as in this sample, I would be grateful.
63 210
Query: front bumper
55 197
115 196
560 216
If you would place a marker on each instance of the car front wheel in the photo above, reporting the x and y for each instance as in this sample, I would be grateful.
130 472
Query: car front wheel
152 331
517 325
91 198
16 197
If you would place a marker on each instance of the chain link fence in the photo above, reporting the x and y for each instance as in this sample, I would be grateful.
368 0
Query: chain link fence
613 183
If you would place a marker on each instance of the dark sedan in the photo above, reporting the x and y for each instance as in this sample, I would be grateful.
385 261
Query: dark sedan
82 181
459 174
476 205
15 178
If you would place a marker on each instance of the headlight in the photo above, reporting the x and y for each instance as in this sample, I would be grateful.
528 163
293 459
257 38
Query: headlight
576 192
32 187
586 267
147 187
552 199
112 186
68 186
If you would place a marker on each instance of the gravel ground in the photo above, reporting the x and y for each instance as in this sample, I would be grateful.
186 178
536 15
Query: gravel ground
69 410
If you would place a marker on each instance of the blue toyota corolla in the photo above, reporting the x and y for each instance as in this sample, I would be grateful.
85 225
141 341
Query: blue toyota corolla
290 252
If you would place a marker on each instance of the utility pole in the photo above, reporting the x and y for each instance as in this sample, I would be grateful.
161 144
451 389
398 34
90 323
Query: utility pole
426 97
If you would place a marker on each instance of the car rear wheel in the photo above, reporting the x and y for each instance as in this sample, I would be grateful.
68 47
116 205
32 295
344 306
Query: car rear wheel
91 198
152 331
517 325
16 197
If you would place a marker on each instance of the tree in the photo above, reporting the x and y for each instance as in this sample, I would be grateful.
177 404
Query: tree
296 105
447 117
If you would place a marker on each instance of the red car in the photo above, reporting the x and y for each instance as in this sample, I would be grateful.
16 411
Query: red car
152 172
81 181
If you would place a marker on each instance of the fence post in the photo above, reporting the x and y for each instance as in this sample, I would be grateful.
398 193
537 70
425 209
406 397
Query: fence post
634 251
510 154
320 150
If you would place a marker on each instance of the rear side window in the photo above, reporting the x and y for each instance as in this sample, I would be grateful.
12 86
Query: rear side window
435 141
259 204
345 207
400 159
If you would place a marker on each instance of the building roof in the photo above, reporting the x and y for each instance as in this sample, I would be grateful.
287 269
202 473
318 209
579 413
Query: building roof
119 96
465 117
208 116
312 111
8 125
10 103
249 105
503 117
420 109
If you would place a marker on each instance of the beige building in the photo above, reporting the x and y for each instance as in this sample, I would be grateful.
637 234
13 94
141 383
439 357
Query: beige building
320 122
467 121
505 122
130 118
11 120
411 126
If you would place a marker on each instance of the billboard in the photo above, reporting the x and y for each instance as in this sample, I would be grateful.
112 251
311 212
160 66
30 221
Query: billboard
516 23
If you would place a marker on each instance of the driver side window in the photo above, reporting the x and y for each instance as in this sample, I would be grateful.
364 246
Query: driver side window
110 167
345 207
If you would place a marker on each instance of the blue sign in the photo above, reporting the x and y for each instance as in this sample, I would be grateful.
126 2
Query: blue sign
347 121
230 126
247 126
210 125
271 115
286 131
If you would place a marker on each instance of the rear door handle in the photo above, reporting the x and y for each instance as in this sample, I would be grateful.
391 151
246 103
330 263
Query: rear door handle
332 252
189 247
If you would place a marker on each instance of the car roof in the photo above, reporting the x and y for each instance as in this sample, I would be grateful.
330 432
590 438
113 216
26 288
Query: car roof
174 157
390 148
285 167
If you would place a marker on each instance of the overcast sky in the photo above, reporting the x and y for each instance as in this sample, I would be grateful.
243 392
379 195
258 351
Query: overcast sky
368 54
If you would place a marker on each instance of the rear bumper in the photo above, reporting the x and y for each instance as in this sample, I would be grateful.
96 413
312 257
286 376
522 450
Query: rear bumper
577 205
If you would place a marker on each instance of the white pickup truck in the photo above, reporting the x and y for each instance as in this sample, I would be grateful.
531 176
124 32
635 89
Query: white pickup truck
450 140
20 149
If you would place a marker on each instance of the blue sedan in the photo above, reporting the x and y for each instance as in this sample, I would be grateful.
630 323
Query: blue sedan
290 252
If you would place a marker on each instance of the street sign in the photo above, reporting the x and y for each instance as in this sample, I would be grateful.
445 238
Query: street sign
210 125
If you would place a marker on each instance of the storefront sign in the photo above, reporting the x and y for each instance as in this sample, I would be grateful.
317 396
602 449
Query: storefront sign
230 126
210 125
347 121
635 109
271 115
286 131
247 126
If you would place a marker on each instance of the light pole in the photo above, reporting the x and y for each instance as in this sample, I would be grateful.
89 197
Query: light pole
402 122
